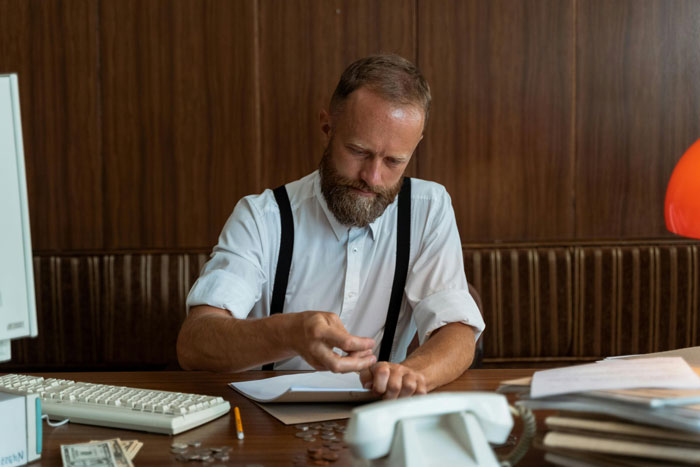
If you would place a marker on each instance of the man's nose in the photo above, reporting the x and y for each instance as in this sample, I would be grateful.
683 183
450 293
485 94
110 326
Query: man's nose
371 171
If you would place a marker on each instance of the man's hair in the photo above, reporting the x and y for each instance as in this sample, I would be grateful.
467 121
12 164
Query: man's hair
391 76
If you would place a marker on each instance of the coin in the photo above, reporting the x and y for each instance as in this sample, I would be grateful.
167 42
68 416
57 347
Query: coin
329 437
181 458
330 456
302 426
314 449
179 446
303 434
310 439
195 444
336 446
220 456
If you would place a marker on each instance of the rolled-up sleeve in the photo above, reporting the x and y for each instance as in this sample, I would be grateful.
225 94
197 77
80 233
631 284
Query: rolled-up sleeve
436 287
234 276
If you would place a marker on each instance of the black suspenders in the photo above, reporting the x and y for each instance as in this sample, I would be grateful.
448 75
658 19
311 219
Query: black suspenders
403 247
284 260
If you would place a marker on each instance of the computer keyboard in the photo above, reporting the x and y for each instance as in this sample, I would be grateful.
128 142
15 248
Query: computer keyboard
117 406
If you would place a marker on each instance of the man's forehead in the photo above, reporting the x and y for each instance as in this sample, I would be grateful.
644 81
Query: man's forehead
370 121
364 100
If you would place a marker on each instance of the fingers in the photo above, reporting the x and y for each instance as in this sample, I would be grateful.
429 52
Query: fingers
366 378
348 364
338 336
392 380
328 327
325 331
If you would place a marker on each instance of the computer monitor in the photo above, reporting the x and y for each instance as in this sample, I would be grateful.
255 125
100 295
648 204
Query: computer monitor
17 300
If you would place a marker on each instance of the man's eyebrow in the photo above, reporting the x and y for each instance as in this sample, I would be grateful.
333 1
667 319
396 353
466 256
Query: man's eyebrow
362 147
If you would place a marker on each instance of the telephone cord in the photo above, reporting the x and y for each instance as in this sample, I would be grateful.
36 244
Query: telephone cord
529 429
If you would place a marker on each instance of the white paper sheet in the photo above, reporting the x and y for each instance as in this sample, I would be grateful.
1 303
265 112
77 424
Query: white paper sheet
690 354
668 372
319 386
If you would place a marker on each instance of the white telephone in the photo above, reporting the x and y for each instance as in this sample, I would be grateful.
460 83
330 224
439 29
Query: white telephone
436 429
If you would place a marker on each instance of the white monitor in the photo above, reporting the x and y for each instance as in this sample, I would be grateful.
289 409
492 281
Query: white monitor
17 302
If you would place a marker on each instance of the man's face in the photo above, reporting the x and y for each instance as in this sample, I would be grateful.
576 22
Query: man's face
369 146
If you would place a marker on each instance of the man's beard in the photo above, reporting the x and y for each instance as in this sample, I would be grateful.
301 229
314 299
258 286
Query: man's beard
349 207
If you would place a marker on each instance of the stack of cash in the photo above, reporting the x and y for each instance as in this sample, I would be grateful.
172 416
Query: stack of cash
110 452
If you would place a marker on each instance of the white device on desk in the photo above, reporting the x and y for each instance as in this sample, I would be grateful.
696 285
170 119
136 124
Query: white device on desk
17 303
432 430
118 406
20 429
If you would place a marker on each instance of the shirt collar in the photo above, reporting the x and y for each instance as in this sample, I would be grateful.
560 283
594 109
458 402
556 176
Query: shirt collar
340 229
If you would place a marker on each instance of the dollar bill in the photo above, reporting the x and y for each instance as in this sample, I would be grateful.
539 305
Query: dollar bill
88 454
132 446
120 451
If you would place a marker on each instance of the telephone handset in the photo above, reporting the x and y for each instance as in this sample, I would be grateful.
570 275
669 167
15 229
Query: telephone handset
434 429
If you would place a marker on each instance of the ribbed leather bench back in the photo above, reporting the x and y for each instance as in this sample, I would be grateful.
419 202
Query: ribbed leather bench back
111 311
541 303
552 302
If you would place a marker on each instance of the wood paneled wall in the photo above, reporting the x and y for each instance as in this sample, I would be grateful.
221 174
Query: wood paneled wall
145 120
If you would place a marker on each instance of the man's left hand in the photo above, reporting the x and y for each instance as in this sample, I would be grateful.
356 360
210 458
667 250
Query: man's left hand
392 380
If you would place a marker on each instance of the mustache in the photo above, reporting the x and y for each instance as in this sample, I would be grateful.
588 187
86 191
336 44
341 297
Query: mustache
361 185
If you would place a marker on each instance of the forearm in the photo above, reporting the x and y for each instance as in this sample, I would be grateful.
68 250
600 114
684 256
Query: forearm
446 355
217 342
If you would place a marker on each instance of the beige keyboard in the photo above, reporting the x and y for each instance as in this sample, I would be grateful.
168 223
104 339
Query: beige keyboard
118 406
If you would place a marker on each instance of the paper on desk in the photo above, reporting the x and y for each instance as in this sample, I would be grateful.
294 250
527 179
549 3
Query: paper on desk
690 354
291 414
319 386
667 372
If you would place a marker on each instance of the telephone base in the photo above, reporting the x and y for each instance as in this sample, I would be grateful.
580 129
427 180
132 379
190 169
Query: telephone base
437 440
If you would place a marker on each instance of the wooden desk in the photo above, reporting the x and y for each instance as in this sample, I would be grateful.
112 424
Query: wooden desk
267 441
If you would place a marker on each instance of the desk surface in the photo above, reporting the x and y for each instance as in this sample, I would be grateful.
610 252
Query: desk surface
267 441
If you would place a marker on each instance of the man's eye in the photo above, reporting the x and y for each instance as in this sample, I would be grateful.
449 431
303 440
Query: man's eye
357 151
393 162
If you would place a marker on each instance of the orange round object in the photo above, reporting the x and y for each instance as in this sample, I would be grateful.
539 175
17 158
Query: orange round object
682 207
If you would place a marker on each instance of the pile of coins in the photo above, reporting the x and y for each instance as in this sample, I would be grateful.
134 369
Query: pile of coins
331 443
194 452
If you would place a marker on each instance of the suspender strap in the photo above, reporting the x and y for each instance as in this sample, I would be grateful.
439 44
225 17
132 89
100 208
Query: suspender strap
403 249
284 260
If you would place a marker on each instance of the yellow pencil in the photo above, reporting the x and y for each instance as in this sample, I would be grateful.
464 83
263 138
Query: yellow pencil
239 424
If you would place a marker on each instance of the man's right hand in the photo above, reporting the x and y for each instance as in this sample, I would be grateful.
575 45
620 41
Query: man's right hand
317 333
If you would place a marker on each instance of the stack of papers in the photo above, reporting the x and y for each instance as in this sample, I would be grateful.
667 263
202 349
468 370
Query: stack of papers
616 411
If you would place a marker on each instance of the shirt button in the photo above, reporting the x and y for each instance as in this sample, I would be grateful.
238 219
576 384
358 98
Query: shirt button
351 294
354 250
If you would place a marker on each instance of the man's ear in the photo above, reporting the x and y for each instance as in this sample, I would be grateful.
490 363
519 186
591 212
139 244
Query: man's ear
325 120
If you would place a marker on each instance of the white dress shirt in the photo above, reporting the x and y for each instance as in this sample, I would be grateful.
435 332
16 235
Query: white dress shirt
345 270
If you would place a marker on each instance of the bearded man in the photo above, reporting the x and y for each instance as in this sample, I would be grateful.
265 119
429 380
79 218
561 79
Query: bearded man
339 270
